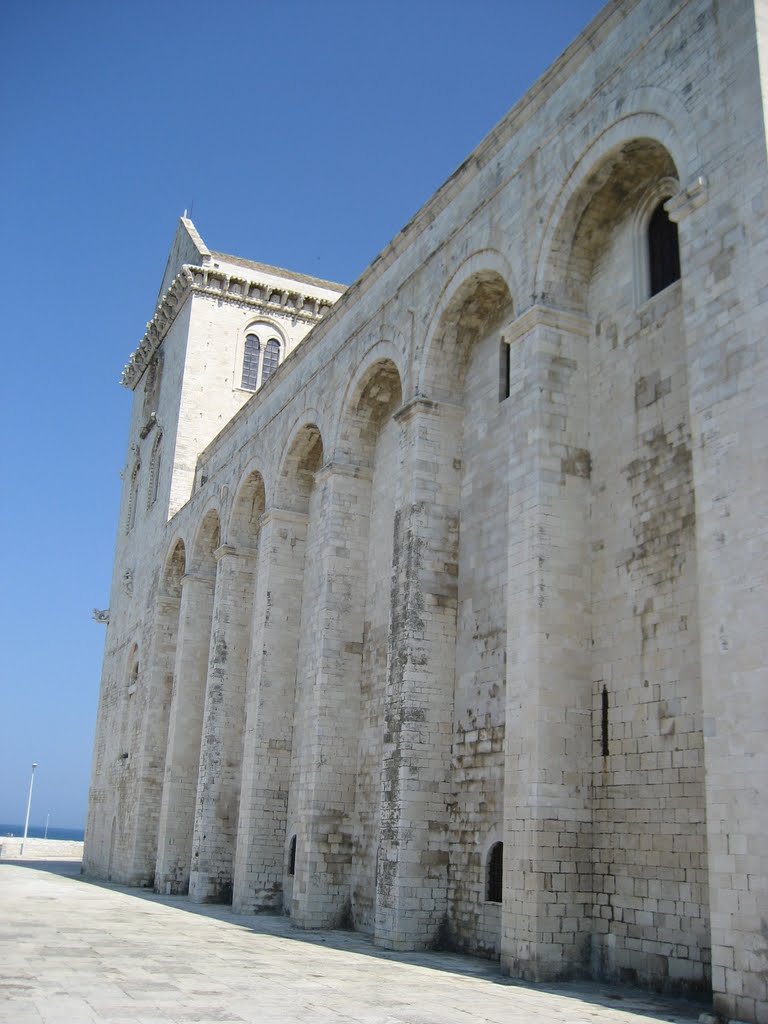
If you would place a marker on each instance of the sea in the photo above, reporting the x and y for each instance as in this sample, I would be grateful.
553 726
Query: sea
38 832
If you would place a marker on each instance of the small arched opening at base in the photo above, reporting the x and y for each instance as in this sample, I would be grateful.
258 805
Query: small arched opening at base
494 877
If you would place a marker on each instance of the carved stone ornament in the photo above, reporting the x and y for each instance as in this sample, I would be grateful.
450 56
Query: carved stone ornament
128 581
101 616
224 287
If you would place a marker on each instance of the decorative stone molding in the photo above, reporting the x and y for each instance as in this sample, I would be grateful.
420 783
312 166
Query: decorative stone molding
349 469
547 316
421 404
101 616
151 422
687 200
127 580
273 300
225 550
283 516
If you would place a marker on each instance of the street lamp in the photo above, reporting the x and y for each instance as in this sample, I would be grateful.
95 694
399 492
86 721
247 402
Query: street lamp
29 805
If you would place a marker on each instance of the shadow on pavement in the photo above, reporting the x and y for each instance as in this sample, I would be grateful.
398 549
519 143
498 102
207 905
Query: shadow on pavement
679 1010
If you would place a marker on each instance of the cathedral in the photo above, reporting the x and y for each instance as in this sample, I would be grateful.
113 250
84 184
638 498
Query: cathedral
439 601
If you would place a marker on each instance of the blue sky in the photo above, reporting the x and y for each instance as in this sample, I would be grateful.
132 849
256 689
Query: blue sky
302 134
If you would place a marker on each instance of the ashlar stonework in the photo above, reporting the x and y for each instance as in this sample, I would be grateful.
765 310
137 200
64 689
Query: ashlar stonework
451 627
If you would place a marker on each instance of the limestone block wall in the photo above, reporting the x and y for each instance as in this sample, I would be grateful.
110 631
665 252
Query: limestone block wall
651 872
482 563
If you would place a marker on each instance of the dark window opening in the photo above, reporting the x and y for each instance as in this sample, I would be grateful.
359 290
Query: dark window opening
292 857
663 250
604 723
504 368
493 889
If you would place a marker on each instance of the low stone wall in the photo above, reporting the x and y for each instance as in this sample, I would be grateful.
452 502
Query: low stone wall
40 849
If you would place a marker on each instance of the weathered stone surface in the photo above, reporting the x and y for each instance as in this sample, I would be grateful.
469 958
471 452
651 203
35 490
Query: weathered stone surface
485 560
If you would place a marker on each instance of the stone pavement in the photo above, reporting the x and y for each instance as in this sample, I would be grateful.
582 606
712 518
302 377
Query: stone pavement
73 951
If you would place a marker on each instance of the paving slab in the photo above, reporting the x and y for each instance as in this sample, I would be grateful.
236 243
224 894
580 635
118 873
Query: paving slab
73 951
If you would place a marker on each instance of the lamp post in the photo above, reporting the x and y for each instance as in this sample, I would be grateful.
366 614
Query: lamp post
29 805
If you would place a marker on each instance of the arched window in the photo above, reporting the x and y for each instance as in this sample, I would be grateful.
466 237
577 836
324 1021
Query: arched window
495 874
133 499
663 249
292 857
250 378
261 356
271 359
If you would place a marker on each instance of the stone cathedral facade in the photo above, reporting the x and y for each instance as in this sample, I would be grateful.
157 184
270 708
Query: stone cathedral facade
439 604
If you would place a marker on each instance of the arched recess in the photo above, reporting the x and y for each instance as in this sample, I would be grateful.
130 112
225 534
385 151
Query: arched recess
476 301
654 140
367 402
182 762
369 439
282 648
157 676
221 755
640 583
207 540
449 582
590 225
302 458
248 508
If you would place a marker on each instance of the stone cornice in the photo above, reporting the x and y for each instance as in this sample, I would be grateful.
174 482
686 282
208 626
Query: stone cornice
283 515
350 469
420 405
273 299
547 316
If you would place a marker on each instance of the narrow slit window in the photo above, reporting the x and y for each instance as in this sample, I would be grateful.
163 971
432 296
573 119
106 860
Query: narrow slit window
663 250
495 876
292 857
604 723
250 378
156 475
271 359
504 369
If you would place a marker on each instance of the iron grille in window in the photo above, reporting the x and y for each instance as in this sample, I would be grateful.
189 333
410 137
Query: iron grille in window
250 379
271 359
